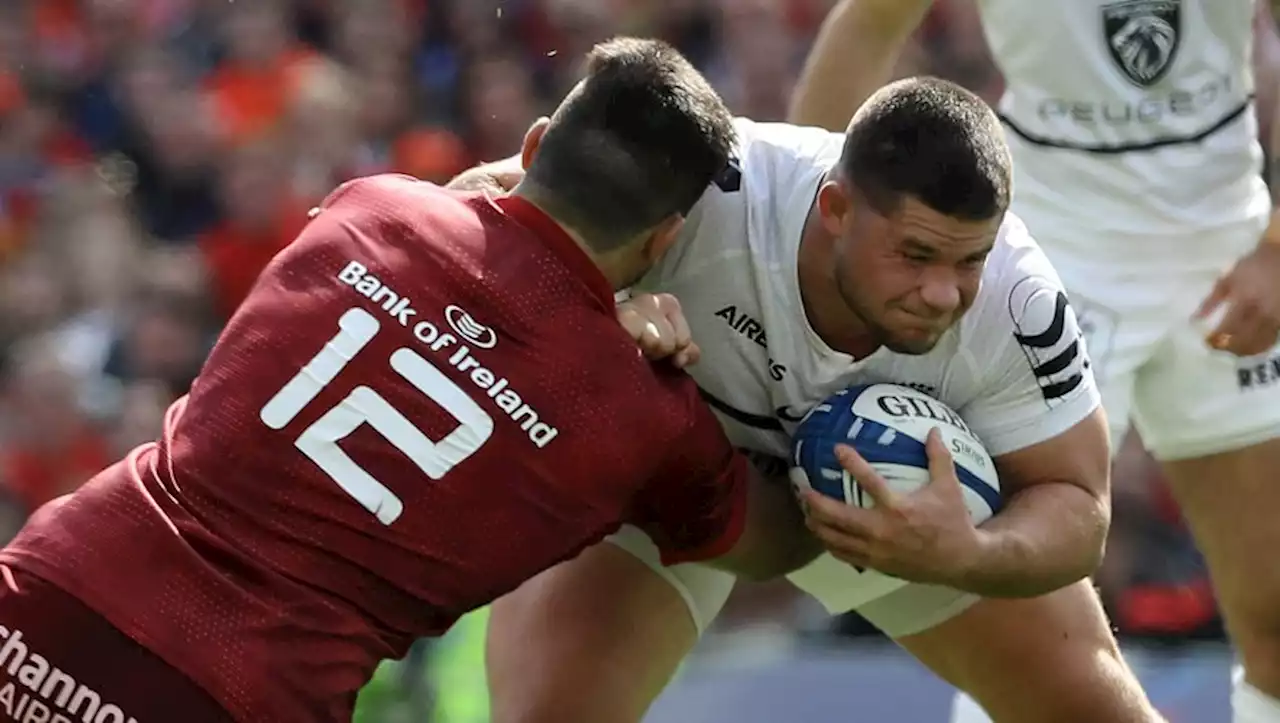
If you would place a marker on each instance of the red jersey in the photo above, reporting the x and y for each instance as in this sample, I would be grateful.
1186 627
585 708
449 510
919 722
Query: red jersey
425 401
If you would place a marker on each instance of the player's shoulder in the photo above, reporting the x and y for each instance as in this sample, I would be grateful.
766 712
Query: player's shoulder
1022 307
787 138
754 210
1017 275
1015 252
382 184
365 188
769 159
399 211
399 197
653 401
777 153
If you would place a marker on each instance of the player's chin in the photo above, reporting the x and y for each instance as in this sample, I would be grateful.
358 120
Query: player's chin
912 341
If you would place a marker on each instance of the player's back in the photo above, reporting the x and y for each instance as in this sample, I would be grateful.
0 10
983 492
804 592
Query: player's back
425 355
420 405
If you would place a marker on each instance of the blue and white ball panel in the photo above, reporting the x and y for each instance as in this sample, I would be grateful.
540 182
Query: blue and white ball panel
888 424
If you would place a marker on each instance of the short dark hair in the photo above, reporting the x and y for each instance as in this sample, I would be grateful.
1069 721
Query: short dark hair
931 140
636 142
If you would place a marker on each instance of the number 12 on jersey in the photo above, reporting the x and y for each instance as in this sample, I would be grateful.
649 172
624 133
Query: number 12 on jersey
319 442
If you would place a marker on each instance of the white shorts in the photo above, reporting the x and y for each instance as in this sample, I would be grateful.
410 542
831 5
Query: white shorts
1150 359
897 609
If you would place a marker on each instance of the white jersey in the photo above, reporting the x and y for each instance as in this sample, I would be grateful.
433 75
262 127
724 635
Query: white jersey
1014 366
1132 116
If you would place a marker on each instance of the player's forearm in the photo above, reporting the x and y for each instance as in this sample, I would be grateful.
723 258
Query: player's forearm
1273 161
1266 63
1272 233
854 54
775 540
496 177
1047 537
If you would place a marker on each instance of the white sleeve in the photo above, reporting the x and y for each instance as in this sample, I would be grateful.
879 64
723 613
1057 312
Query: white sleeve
1036 383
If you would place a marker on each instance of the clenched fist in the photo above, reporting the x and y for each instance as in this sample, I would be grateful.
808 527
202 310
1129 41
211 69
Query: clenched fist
658 325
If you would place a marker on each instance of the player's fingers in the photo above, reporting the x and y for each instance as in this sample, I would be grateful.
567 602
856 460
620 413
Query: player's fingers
671 310
1221 290
652 304
658 340
688 356
1268 336
1257 339
648 327
664 311
872 484
1234 327
1256 327
942 467
832 516
848 549
631 320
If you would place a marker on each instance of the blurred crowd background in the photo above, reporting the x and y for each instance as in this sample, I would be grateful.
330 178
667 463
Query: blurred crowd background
155 154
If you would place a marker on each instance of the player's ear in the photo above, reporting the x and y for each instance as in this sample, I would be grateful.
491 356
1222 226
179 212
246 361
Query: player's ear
532 139
662 237
834 206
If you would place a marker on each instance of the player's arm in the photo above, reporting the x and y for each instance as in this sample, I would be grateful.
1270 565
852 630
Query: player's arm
708 503
1053 527
1266 64
497 177
1041 418
854 54
774 540
1242 311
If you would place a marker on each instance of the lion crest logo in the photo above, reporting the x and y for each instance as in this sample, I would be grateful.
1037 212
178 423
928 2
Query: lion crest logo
1143 36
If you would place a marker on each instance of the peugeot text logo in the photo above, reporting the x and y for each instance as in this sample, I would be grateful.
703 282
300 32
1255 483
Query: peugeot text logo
470 329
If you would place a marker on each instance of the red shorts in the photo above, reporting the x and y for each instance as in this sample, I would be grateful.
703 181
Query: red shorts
62 663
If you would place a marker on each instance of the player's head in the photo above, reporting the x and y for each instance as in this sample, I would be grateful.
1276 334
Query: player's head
630 150
914 204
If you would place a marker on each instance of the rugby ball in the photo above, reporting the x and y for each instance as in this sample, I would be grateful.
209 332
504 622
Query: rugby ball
888 425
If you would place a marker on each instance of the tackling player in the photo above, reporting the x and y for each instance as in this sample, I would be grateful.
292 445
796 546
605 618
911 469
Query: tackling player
819 260
1135 141
425 400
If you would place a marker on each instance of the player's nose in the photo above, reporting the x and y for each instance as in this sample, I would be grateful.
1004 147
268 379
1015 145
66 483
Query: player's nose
940 291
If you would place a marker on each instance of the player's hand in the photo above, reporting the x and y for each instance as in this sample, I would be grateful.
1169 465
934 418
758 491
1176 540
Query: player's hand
1247 300
925 536
657 323
496 178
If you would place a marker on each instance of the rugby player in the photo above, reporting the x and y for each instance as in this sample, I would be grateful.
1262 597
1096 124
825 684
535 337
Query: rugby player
819 260
425 400
1136 157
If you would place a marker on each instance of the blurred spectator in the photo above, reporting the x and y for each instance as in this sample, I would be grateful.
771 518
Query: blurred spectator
261 214
499 101
758 55
323 129
1154 581
260 72
51 447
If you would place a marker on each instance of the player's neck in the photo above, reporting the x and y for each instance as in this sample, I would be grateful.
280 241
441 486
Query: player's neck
618 271
824 306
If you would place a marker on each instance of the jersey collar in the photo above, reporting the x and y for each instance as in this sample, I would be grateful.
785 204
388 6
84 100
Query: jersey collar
558 240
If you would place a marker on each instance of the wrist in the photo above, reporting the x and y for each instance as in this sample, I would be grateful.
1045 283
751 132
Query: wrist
972 562
1271 236
999 564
